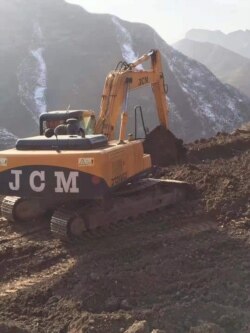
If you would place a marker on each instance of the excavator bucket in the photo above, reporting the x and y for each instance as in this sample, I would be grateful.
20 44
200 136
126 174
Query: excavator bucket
165 149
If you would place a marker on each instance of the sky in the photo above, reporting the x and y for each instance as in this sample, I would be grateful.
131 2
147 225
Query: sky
173 18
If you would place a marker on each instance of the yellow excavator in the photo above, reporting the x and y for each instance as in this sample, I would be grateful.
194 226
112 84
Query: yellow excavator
78 172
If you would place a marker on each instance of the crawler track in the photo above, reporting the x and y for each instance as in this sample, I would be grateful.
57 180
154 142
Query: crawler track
16 209
79 220
126 204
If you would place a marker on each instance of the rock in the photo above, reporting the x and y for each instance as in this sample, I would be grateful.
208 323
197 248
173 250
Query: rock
94 277
227 321
158 331
156 307
112 304
138 327
53 299
125 305
207 328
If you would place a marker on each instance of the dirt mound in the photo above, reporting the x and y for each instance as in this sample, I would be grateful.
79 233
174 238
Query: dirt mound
220 169
100 322
165 149
223 145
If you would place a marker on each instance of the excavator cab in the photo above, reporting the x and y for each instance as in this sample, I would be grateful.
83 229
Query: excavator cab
65 130
84 120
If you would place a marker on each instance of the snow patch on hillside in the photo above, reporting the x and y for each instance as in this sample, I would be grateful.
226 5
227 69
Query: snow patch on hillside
32 76
40 89
173 111
7 139
125 41
210 99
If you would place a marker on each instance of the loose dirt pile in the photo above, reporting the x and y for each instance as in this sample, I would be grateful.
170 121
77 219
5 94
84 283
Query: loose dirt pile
165 149
185 269
220 169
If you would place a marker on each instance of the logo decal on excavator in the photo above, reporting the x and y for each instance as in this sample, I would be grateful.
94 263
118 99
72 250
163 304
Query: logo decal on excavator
143 80
86 161
37 181
119 179
3 161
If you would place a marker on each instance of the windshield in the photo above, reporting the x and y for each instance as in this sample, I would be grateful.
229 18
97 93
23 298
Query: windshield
87 123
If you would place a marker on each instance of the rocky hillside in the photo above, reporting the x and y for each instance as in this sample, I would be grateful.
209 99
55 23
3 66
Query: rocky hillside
237 41
54 54
228 66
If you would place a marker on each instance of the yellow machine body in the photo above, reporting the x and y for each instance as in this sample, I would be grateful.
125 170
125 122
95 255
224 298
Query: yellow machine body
87 174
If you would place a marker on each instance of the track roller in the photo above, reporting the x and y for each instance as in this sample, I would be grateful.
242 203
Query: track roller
17 209
66 225
134 200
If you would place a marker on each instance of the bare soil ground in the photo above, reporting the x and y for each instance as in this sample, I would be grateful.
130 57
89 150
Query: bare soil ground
182 269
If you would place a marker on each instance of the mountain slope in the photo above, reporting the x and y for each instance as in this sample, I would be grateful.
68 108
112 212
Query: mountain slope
7 139
228 66
67 53
15 62
237 41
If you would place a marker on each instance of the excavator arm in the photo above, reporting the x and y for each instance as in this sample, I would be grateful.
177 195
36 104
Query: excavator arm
119 82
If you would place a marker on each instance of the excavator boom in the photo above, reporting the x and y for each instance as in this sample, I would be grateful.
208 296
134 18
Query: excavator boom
129 77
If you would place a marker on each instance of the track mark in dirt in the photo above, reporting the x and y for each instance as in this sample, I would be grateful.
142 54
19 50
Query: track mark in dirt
16 235
10 231
192 229
37 278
